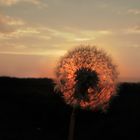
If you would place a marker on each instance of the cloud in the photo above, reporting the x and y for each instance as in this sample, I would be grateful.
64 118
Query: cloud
61 34
133 30
82 39
33 37
39 3
8 25
136 46
14 28
46 53
70 34
18 33
25 31
8 2
96 33
133 11
10 21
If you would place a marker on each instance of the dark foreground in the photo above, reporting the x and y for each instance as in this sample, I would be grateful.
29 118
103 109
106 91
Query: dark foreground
30 110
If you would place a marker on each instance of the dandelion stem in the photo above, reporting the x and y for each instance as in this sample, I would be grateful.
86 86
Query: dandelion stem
72 125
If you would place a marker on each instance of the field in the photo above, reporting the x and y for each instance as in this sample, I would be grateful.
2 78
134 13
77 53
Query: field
30 110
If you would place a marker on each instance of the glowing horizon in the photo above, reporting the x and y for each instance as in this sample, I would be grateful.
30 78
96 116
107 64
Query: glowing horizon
34 34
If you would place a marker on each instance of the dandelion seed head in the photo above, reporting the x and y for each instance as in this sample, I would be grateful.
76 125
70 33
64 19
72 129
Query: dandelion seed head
87 77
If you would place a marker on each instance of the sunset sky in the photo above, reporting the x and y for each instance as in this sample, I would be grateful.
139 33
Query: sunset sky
34 34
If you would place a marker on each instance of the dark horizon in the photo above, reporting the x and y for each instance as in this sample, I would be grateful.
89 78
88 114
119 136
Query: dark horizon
120 80
30 109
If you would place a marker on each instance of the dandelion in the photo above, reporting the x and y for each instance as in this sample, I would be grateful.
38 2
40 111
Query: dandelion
86 77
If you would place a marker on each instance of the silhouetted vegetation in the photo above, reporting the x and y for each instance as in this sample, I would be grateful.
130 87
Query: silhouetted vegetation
30 110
